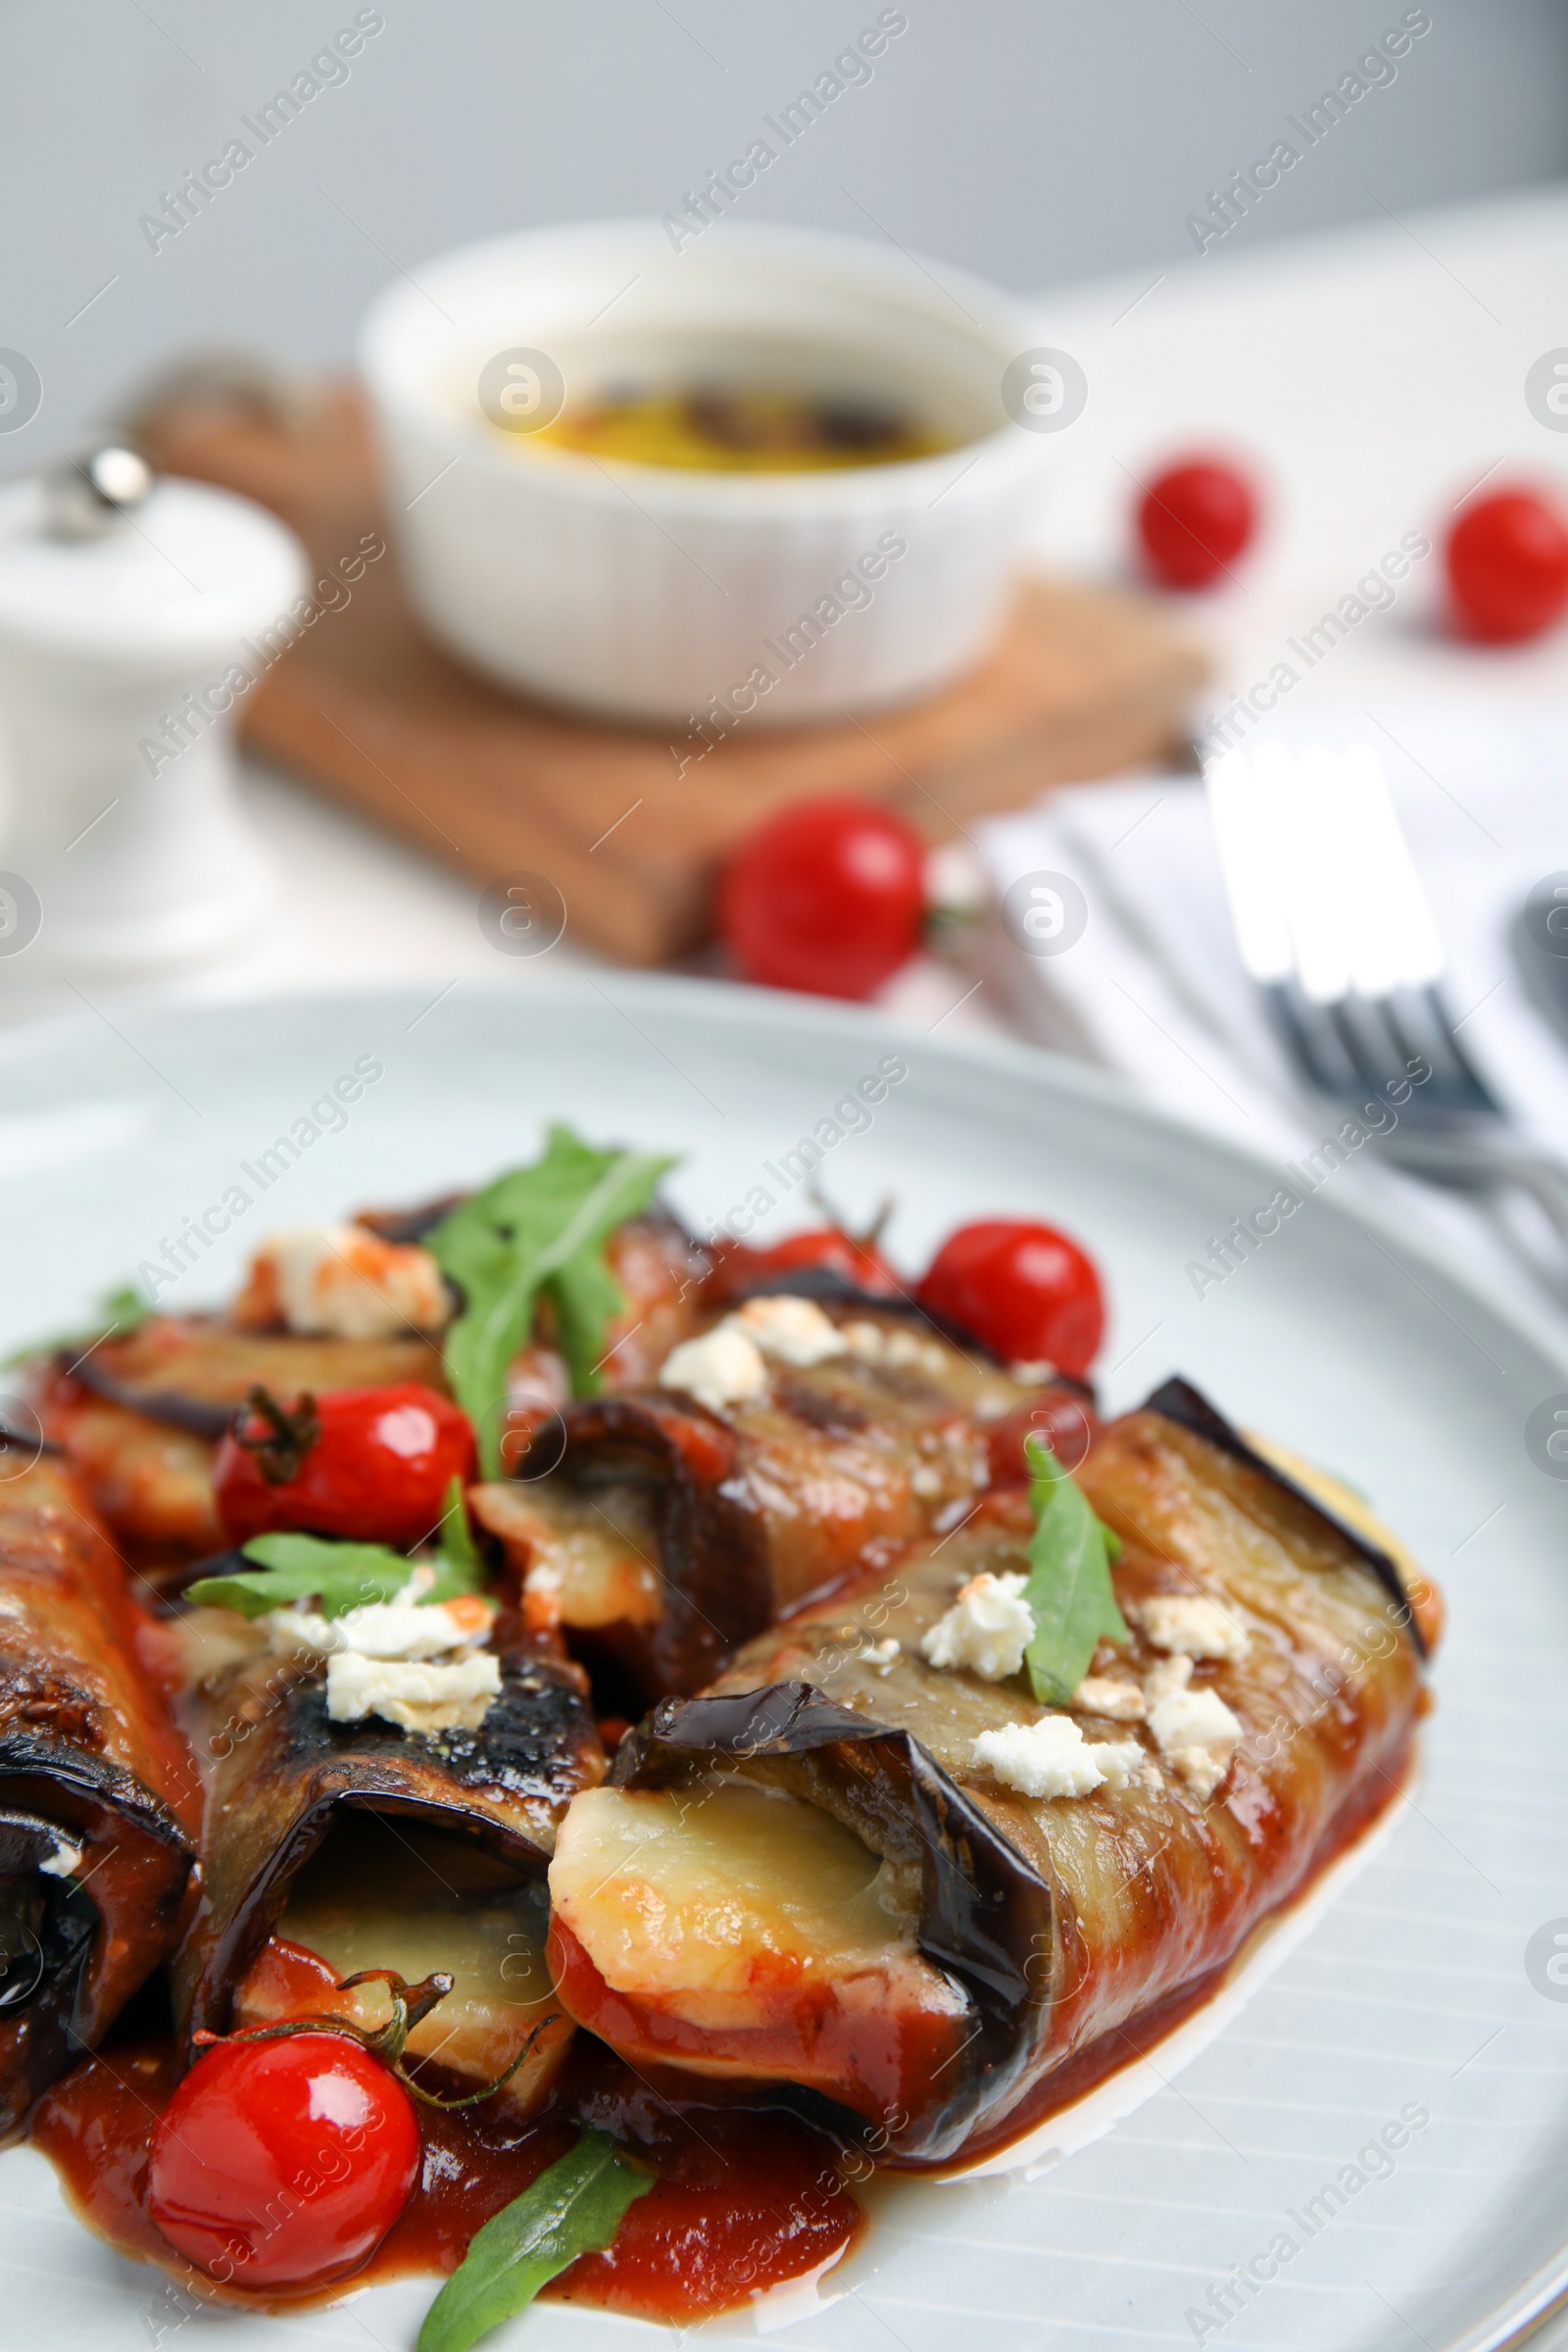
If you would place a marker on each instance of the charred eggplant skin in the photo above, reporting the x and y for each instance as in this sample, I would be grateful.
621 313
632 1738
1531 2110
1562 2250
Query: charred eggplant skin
284 1769
1179 1401
985 1917
86 1751
832 1474
194 1372
717 1587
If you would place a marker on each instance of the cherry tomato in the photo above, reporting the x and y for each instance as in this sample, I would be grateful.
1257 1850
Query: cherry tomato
376 1468
860 1263
283 2164
1026 1289
827 896
1193 520
1508 559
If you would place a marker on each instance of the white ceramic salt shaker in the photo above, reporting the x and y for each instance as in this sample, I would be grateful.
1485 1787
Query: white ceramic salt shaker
132 617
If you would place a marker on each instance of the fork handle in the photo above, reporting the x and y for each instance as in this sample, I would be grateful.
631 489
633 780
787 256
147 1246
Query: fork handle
1497 1159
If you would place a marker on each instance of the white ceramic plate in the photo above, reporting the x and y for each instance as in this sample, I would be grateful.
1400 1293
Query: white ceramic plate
1411 1990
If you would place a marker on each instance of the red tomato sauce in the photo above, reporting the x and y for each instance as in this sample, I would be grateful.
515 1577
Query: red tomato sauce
743 2201
746 2198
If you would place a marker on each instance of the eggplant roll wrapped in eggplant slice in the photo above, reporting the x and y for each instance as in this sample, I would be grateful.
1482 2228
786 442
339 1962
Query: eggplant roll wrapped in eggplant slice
352 1306
869 1866
98 1793
335 1846
141 1416
796 1442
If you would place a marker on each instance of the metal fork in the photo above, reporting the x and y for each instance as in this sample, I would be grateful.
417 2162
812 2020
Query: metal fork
1334 926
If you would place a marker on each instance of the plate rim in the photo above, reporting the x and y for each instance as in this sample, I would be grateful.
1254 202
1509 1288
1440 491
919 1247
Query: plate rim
732 1005
741 1004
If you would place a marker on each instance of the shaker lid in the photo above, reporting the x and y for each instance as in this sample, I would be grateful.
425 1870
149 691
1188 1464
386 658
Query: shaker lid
101 560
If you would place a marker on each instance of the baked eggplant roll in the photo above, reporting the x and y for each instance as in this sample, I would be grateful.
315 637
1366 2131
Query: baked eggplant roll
97 1790
871 1870
411 1839
140 1417
358 1305
795 1443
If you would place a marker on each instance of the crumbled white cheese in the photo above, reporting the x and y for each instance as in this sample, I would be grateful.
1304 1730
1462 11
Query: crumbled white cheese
417 1698
902 1351
1197 1734
925 1479
345 1281
881 1656
987 1630
723 1367
1121 1761
1053 1758
1111 1694
1171 1674
379 1629
794 1330
1192 1626
62 1861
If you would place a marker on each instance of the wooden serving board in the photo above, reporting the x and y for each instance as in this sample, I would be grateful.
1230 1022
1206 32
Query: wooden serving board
364 705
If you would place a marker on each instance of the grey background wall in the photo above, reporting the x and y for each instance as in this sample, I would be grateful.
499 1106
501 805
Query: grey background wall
1031 140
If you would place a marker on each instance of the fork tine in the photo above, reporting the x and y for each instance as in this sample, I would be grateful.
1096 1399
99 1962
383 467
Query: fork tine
1334 926
1333 921
1423 1021
1315 1038
1372 1042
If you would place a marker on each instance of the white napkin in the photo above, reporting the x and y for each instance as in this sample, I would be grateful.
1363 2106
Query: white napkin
1154 988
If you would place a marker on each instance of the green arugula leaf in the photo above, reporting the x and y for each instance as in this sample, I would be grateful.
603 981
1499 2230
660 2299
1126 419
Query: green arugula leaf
340 1577
290 1567
536 1232
574 2208
459 1554
118 1313
1069 1591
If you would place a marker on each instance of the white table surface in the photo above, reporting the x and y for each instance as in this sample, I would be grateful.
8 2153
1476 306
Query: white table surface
1372 378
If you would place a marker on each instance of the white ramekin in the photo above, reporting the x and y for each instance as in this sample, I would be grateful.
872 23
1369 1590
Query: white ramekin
650 594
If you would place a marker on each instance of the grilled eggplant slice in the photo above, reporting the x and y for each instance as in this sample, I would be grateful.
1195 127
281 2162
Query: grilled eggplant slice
140 1418
141 1415
150 1483
1064 1924
299 1885
643 1544
192 1372
779 1888
98 1793
703 1528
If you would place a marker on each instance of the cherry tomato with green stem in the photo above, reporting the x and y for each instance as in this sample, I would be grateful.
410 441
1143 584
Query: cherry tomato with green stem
373 1464
282 2164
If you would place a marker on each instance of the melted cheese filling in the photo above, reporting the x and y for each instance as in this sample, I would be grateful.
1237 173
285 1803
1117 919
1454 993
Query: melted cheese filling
380 1894
720 1903
585 1559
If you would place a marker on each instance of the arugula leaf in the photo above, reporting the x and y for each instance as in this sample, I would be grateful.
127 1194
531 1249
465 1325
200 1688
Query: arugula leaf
292 1567
343 1576
459 1554
536 1232
1069 1591
118 1313
574 2208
